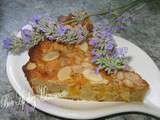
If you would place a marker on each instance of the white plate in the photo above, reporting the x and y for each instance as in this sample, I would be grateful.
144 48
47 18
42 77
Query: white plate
140 62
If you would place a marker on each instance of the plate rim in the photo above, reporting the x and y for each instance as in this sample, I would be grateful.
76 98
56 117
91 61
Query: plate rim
153 112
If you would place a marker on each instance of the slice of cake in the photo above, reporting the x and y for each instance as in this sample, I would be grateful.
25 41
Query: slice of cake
67 70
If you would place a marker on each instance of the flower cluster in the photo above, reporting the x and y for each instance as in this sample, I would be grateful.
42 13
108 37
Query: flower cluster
121 22
105 52
44 28
62 33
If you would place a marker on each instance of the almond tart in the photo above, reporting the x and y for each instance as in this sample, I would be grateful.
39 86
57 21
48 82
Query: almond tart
67 71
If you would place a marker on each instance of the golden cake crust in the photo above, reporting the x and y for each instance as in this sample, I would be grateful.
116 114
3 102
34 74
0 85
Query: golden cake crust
54 67
122 86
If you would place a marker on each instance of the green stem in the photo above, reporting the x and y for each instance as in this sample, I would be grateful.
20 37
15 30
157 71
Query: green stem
129 7
122 9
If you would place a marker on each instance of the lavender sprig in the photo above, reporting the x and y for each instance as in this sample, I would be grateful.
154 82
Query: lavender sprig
107 55
72 36
7 43
112 13
111 64
43 28
61 33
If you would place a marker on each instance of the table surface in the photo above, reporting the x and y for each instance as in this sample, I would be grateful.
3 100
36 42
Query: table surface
144 32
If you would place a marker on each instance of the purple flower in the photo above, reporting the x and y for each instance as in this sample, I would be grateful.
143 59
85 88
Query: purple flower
120 19
110 46
93 52
80 34
122 22
7 43
80 30
34 25
48 20
98 69
107 33
94 30
122 27
62 30
81 37
27 32
119 28
26 35
121 52
94 59
36 19
93 42
42 29
126 17
50 37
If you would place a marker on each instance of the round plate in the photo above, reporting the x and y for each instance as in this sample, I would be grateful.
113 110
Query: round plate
140 62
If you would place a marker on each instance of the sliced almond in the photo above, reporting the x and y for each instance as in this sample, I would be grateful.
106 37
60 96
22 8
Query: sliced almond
87 65
51 56
64 73
31 66
128 83
120 76
86 59
93 77
77 69
84 46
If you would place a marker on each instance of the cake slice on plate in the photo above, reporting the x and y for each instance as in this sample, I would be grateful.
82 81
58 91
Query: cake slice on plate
67 71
